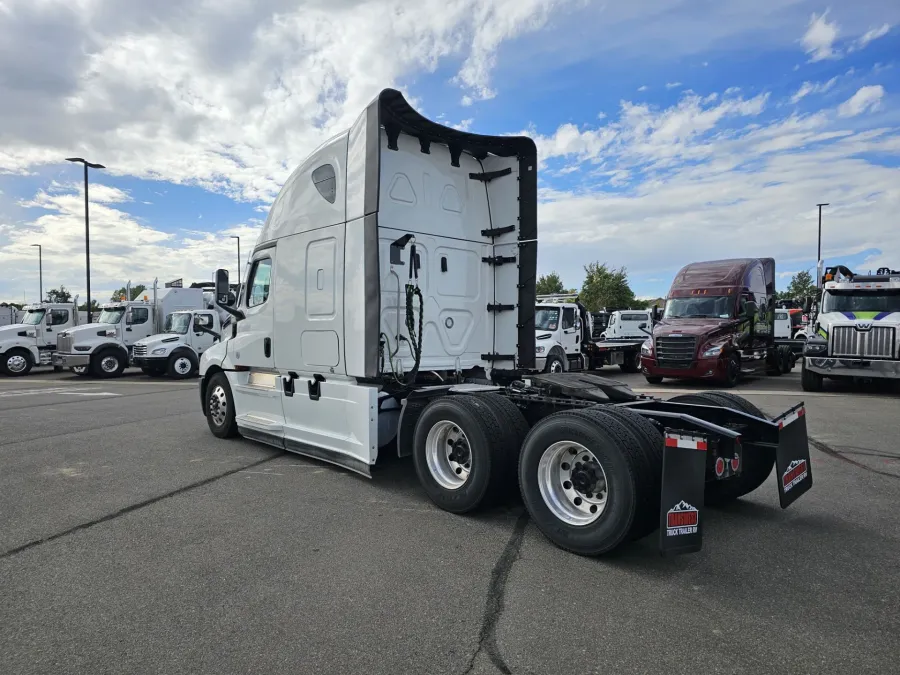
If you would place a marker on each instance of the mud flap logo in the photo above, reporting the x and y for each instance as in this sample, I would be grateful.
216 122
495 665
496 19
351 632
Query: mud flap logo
795 473
681 519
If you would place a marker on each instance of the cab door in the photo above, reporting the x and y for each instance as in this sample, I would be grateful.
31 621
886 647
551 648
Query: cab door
199 340
137 325
570 334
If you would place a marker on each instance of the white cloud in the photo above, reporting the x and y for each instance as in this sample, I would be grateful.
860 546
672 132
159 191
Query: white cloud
868 36
464 125
672 85
818 41
122 247
228 96
808 88
866 99
643 87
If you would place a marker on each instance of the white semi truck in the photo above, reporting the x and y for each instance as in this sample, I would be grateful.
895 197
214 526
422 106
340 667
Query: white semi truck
390 308
856 333
177 350
103 349
32 342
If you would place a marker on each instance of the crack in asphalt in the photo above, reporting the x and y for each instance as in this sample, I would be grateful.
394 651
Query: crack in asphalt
134 507
494 605
837 454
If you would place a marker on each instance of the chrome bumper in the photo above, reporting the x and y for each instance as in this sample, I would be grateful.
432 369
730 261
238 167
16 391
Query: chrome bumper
876 369
71 360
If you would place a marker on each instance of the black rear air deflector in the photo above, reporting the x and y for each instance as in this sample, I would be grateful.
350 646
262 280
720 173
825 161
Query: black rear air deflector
396 115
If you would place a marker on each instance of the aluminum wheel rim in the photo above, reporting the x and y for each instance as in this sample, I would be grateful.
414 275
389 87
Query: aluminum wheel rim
109 364
182 365
16 363
218 406
561 487
556 366
448 455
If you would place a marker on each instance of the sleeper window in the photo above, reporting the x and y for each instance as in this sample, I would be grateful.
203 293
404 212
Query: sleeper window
258 287
324 180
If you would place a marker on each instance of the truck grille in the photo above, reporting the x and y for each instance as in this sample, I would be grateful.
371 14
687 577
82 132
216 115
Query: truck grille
64 344
140 350
675 352
877 343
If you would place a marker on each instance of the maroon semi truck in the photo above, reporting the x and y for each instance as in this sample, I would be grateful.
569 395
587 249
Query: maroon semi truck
718 324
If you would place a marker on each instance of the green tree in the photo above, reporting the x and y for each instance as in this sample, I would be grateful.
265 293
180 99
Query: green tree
549 284
135 292
95 306
606 287
802 285
60 294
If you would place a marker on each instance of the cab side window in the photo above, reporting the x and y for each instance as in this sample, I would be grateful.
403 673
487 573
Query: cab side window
203 320
139 315
260 279
58 316
568 318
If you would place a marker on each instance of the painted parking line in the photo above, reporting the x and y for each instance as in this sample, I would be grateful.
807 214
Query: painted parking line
58 391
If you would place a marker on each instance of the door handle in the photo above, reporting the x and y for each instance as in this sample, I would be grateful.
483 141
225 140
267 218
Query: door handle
127 330
267 347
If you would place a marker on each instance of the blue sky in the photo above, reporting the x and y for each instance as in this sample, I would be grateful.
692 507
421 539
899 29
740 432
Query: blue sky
668 132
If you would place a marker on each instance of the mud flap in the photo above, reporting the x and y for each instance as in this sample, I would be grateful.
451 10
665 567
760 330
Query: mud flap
683 487
792 456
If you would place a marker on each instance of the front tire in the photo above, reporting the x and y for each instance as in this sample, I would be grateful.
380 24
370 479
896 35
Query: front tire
16 362
632 363
732 371
554 364
220 407
653 379
809 380
459 452
182 365
110 362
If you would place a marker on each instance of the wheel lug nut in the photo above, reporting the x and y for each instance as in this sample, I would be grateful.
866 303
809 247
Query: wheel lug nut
589 495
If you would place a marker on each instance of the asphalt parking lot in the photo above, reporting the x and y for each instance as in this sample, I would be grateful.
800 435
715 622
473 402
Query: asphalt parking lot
133 541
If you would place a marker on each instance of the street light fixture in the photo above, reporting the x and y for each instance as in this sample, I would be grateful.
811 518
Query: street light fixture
87 228
40 273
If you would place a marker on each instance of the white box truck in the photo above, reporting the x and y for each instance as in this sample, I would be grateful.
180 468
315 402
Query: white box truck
390 307
32 341
103 349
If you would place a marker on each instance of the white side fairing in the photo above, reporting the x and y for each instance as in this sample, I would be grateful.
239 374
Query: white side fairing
425 196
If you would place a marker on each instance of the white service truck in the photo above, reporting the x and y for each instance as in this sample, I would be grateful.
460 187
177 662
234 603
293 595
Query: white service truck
563 342
856 334
103 349
32 341
626 324
390 308
177 350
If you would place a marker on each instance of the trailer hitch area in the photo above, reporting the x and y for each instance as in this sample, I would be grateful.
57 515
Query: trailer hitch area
792 462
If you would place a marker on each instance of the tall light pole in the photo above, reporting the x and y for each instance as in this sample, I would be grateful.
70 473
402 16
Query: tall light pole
819 255
40 273
87 229
234 236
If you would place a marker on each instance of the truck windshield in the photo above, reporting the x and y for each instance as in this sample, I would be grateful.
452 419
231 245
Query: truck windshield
33 317
546 318
178 323
854 301
703 307
111 315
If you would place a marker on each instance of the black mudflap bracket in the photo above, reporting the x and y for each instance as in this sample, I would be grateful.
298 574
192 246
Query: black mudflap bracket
792 456
683 488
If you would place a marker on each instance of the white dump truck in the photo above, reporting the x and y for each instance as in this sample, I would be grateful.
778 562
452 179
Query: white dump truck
177 350
103 349
32 341
856 333
390 308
